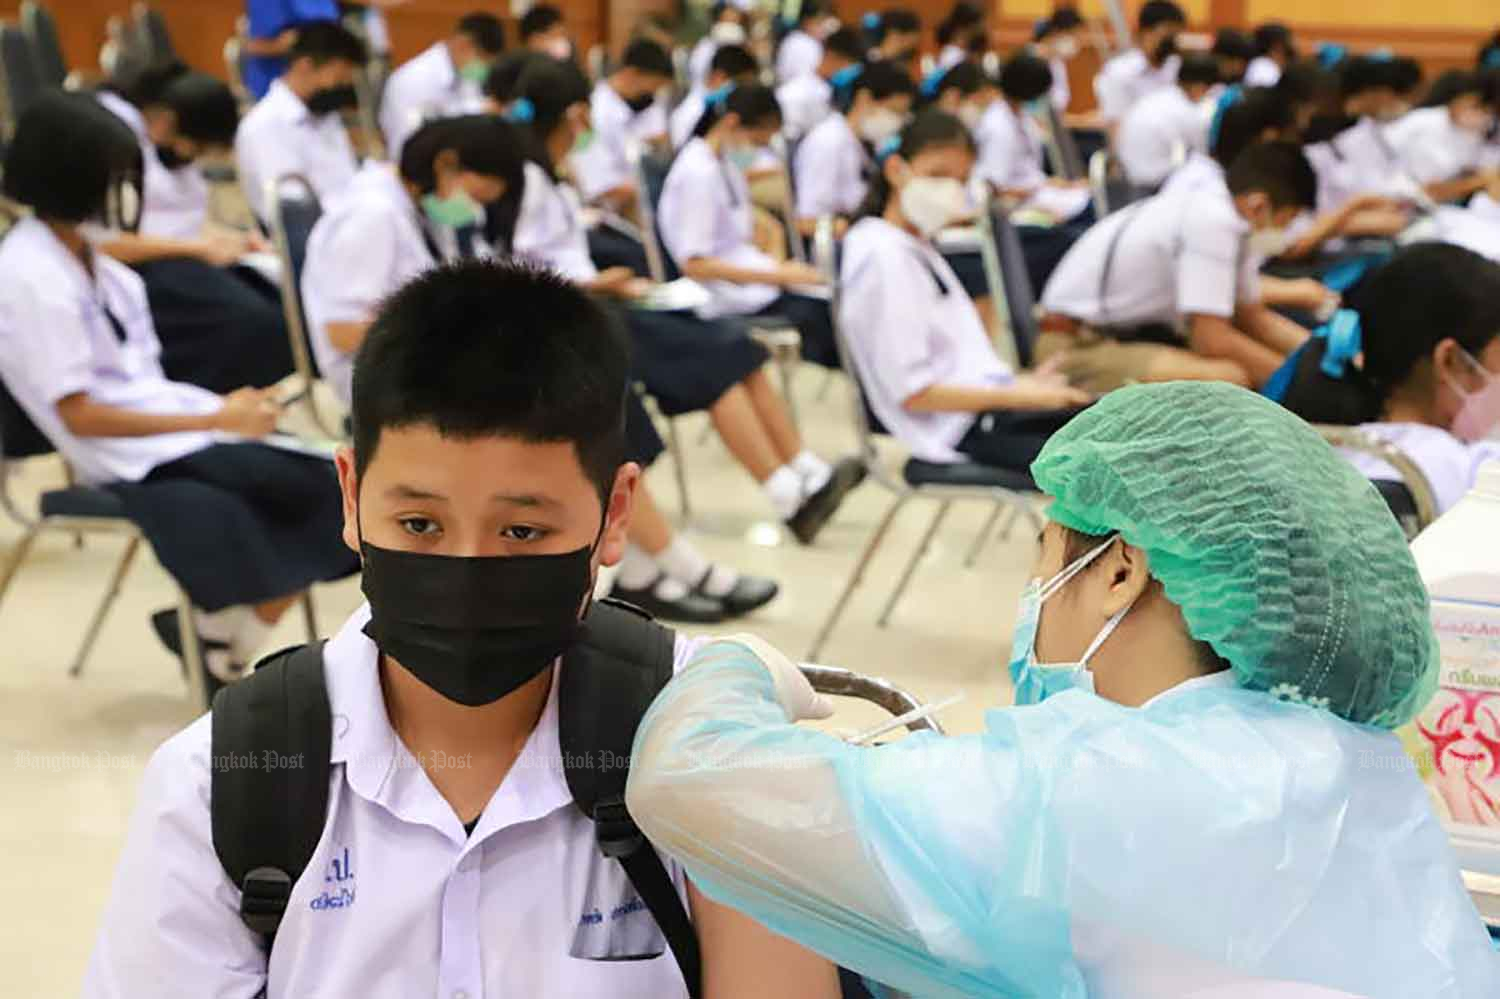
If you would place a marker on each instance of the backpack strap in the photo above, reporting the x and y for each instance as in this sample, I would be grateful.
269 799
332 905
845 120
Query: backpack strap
609 678
272 737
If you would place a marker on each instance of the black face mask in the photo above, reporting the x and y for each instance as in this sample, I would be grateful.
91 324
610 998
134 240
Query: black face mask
641 103
171 158
1166 48
474 628
331 99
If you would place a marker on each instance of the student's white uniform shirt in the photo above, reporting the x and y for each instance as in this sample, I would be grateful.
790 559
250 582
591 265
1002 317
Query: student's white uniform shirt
705 212
280 136
605 165
1010 148
368 243
805 101
174 203
1179 255
1451 465
1359 160
1127 78
701 60
1199 170
799 55
1432 148
907 334
951 55
1262 72
427 86
685 117
1153 130
397 900
830 170
56 341
549 228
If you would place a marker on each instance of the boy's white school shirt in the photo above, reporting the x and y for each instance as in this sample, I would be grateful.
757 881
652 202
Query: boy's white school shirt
424 87
397 900
278 136
830 169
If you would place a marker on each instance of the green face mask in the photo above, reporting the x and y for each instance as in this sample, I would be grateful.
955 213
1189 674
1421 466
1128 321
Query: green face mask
476 71
584 140
455 211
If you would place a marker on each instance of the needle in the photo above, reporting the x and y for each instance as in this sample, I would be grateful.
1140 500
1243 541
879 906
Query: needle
924 711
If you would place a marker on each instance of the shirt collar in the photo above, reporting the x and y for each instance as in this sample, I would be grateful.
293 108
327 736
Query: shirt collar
1222 680
288 104
126 112
442 61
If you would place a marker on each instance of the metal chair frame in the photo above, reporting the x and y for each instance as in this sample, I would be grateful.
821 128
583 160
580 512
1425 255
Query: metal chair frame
902 492
1099 182
291 301
1412 476
10 114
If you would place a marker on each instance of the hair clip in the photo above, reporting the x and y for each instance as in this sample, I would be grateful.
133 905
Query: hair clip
933 82
846 76
889 145
522 111
1345 339
716 99
871 21
1331 54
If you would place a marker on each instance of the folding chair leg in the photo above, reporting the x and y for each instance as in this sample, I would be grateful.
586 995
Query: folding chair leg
787 368
11 510
96 624
679 469
911 567
309 615
13 564
984 534
192 652
1010 523
855 578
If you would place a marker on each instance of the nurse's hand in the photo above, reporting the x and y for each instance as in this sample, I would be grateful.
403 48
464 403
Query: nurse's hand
248 412
794 272
793 692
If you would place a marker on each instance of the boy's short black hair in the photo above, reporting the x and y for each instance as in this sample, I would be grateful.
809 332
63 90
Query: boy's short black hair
1245 121
1231 43
205 107
810 9
901 19
1158 12
1025 77
1062 19
885 79
325 42
495 349
1198 67
1271 35
966 77
645 56
484 143
1307 82
542 17
484 30
506 73
1277 168
66 154
846 42
734 61
1452 85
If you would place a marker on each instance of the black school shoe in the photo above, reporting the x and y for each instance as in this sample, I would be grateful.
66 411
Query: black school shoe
691 608
750 593
165 623
820 507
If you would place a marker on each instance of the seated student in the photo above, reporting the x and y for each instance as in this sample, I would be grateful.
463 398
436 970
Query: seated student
706 226
1058 39
801 49
486 487
835 161
543 29
298 127
807 99
895 36
1162 128
272 31
243 527
1356 156
1232 51
962 35
964 91
727 26
1167 289
1274 52
625 111
1423 371
1151 65
732 65
922 354
220 324
444 80
686 363
1441 144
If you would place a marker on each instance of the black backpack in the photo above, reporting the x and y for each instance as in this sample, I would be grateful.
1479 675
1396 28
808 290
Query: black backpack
267 821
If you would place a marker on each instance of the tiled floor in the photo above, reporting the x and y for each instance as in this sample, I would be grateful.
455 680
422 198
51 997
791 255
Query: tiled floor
72 750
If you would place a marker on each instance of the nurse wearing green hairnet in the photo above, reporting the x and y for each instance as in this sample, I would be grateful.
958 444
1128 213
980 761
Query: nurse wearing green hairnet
1197 792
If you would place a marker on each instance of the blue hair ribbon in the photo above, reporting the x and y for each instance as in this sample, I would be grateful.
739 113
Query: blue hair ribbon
1231 96
846 76
888 146
1345 340
871 21
521 111
715 100
1492 58
1382 55
1331 54
933 82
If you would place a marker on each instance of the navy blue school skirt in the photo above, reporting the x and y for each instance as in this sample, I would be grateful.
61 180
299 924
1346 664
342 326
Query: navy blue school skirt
242 523
687 363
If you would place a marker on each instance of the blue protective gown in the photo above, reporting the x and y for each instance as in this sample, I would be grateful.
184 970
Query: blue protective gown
1074 848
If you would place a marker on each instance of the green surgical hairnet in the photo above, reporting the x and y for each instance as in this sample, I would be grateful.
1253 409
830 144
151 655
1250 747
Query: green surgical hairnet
1280 555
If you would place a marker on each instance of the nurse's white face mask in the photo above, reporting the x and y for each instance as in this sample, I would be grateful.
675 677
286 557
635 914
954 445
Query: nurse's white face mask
1036 681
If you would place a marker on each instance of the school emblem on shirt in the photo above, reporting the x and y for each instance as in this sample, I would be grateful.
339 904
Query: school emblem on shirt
338 883
613 922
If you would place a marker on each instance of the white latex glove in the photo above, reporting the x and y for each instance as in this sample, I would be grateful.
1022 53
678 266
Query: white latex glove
796 695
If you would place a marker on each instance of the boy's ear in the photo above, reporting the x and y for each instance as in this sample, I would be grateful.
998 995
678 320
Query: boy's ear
617 516
343 460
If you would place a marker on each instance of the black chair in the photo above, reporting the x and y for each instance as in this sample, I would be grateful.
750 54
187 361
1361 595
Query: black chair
294 211
152 37
1062 147
1009 280
38 24
939 482
20 79
1410 499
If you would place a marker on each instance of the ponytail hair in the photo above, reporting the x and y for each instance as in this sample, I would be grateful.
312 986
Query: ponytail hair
753 103
928 129
541 98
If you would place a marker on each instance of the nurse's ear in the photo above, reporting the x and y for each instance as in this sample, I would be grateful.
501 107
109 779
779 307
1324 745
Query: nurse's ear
1126 577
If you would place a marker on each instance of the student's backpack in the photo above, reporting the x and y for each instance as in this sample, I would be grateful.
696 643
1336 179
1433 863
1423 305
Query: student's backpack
267 821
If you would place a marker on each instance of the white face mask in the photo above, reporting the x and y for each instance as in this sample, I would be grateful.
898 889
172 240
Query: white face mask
727 33
560 49
930 203
880 124
1066 47
970 115
1269 243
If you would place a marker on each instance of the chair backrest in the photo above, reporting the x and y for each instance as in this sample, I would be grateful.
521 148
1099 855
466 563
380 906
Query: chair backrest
20 79
152 37
825 258
785 150
19 437
1411 500
1020 296
294 211
41 28
651 179
1067 161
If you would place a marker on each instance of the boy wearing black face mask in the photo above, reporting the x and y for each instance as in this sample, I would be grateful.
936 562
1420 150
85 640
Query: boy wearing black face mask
297 126
1133 74
624 109
484 490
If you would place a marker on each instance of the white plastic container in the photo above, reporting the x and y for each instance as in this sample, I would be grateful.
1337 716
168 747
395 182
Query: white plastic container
1456 739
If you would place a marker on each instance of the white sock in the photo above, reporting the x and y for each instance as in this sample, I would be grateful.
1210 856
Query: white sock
686 564
637 569
785 490
815 471
222 626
